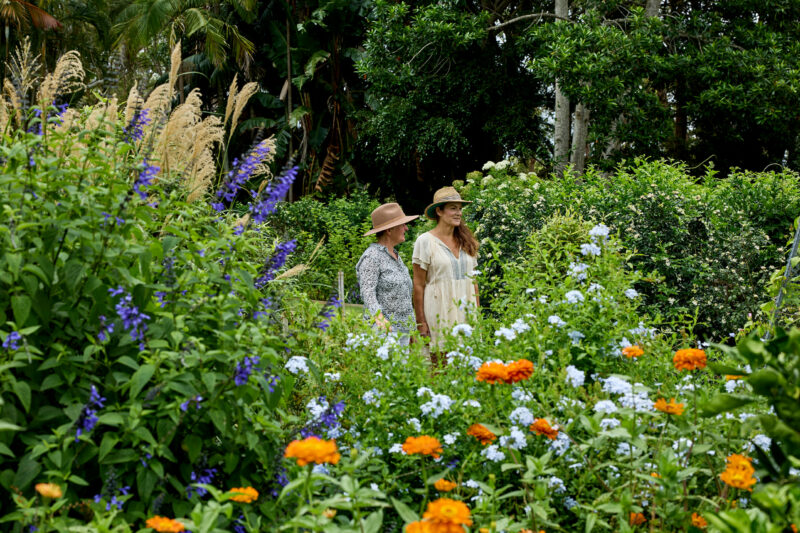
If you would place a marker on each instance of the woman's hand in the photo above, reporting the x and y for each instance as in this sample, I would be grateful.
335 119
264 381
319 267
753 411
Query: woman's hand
423 329
382 322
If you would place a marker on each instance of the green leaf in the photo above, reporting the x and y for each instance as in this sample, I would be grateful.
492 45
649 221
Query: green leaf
107 444
14 261
50 382
26 473
613 508
193 446
5 450
23 392
21 305
373 522
404 511
219 419
140 379
721 368
73 272
8 426
724 402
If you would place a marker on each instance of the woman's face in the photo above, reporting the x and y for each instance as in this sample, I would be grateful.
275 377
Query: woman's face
450 213
397 234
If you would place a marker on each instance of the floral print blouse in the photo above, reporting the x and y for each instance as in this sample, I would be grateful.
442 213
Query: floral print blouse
386 286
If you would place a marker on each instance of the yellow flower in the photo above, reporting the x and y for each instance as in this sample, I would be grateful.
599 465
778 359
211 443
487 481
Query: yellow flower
698 521
313 450
541 426
423 445
49 490
481 433
244 494
445 485
519 370
492 373
689 359
329 513
671 408
637 519
165 525
447 516
739 472
632 351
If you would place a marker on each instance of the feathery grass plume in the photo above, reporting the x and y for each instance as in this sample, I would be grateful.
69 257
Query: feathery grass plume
66 77
231 99
104 115
202 174
176 140
3 113
133 104
175 61
207 134
24 73
158 102
241 100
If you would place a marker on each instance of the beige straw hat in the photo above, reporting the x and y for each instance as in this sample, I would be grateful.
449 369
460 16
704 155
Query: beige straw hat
388 216
441 197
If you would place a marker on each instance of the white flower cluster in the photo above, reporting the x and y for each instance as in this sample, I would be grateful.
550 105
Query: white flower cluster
297 364
450 438
439 404
631 293
605 406
472 403
514 440
520 326
372 397
556 321
574 297
317 407
332 376
521 395
414 423
557 484
575 377
493 453
733 384
561 444
590 249
576 336
462 329
609 423
469 360
521 416
578 271
506 333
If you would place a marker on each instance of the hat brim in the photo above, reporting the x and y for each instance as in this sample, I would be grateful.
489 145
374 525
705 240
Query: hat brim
429 211
392 224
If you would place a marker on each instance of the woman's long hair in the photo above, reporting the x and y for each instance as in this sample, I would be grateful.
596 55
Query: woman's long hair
464 237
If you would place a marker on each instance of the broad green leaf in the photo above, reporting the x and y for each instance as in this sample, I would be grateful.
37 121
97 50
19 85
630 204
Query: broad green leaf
140 379
404 511
21 306
23 392
724 402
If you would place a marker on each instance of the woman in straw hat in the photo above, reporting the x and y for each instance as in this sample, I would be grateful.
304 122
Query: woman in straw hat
443 261
382 276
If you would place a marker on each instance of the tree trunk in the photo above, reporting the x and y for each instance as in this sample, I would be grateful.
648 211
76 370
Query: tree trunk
562 119
581 131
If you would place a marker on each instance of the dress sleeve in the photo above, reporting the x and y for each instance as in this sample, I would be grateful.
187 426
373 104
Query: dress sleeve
422 252
368 272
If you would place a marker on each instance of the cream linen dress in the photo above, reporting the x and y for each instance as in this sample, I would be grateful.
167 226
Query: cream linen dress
449 288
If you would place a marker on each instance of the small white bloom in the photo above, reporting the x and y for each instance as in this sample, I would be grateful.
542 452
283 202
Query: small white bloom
320 469
383 353
557 484
731 385
471 484
520 326
609 423
488 165
576 336
506 333
514 440
493 453
556 321
762 441
439 404
590 249
605 407
423 390
542 299
600 230
316 408
616 385
462 329
575 377
296 364
574 297
521 416
570 502
332 376
450 438
372 397
397 448
595 287
530 291
631 293
414 423
521 395
472 403
561 444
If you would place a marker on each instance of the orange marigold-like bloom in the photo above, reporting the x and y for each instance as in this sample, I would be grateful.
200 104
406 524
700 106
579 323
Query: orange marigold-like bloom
244 494
420 526
689 359
445 485
637 519
541 426
632 351
49 490
698 521
447 516
794 527
492 373
739 472
729 377
481 433
165 525
423 445
519 370
313 450
671 408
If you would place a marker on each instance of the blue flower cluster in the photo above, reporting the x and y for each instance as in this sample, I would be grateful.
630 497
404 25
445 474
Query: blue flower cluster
133 320
37 113
145 178
113 501
12 341
325 421
244 369
266 303
135 130
275 263
105 329
265 202
239 174
88 417
196 399
328 310
206 477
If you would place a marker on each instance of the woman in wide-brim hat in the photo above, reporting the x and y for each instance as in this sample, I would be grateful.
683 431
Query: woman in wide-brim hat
443 261
383 278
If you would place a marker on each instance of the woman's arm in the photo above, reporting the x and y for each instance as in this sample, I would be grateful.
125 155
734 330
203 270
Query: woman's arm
477 297
420 279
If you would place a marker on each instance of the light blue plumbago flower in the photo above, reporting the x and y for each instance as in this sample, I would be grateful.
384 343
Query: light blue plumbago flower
590 249
631 293
574 297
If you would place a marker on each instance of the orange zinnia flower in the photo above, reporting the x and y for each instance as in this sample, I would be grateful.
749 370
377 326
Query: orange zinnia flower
423 445
49 490
637 519
729 377
313 450
519 370
698 521
689 359
165 525
244 494
671 408
445 485
739 472
632 351
419 526
492 373
447 516
541 426
481 433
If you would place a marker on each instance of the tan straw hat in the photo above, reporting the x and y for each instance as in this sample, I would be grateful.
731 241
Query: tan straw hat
441 197
388 216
